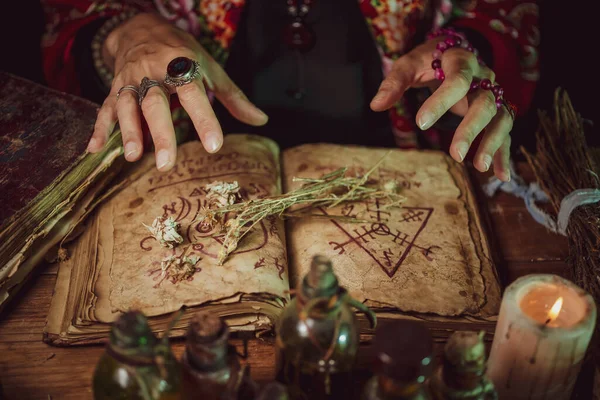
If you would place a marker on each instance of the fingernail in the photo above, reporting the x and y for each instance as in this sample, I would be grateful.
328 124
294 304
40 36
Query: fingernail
507 175
462 148
92 144
214 141
162 159
380 95
130 150
487 161
262 114
425 121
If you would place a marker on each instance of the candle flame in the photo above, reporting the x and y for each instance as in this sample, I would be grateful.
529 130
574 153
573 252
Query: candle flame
555 310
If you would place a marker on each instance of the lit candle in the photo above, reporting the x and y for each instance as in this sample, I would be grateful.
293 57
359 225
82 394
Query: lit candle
543 331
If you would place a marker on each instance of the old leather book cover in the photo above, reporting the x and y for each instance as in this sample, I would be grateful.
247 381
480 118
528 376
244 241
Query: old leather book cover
45 173
42 132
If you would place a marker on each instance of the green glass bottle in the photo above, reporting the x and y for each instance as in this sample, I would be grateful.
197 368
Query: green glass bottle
210 366
462 373
403 362
318 338
136 364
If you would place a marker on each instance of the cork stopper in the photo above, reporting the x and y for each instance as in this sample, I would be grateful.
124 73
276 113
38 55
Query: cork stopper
465 350
131 331
320 280
206 344
205 327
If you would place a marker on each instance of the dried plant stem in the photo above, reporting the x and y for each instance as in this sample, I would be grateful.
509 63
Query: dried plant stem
328 191
562 164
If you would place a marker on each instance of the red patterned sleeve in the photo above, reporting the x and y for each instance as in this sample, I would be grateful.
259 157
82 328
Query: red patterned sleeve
511 28
64 19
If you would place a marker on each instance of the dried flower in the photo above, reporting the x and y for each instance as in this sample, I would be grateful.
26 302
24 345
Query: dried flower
166 231
391 186
222 194
178 268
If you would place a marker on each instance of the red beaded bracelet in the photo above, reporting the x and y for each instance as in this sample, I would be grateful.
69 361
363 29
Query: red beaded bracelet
455 39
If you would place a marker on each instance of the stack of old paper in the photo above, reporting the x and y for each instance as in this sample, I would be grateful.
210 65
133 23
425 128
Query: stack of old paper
428 259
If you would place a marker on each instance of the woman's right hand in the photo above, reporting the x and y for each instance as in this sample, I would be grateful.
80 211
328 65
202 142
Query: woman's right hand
143 47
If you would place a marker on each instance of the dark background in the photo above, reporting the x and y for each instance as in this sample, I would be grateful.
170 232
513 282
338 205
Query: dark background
569 41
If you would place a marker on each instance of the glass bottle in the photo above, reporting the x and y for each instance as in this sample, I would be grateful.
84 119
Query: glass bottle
274 391
318 338
403 362
462 373
210 366
136 364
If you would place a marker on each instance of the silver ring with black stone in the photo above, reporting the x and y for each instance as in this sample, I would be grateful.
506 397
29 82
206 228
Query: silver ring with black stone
147 84
181 71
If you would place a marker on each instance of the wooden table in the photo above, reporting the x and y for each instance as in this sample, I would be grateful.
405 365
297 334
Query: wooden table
30 369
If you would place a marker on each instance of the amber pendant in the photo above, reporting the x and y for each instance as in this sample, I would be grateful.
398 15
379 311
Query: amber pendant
298 35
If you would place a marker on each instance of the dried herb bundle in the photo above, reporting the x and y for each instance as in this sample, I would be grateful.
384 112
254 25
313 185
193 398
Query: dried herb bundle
564 163
327 191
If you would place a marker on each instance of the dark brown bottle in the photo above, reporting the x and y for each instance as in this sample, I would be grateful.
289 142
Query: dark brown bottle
403 361
136 364
462 373
318 338
210 366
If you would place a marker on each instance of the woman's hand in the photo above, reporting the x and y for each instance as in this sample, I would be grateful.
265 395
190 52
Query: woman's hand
143 47
478 108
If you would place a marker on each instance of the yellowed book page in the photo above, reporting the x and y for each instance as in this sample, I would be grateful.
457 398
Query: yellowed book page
428 256
257 266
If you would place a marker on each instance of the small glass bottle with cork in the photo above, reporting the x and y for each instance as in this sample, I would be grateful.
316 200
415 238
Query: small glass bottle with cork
136 364
403 362
462 373
318 337
211 368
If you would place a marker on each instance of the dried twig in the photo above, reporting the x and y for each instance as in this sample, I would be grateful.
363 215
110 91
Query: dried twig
327 191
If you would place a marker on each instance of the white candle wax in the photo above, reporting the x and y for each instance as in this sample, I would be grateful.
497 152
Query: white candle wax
538 349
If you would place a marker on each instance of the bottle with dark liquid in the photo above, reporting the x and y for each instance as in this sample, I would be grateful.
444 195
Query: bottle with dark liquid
136 364
462 373
403 352
210 366
318 338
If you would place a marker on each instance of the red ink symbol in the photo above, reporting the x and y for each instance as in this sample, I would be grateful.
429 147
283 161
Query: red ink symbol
387 253
378 212
280 268
380 238
411 216
260 263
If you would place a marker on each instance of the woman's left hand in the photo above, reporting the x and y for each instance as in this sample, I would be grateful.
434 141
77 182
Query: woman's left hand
478 108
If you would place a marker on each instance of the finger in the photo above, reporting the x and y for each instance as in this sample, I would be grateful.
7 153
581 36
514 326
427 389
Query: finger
105 123
496 133
395 84
155 107
128 112
232 97
459 67
193 98
502 161
479 115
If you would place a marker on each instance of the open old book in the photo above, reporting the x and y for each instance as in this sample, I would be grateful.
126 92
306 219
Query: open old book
428 259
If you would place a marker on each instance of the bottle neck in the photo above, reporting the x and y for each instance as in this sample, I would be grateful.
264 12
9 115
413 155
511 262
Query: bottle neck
461 379
207 357
135 357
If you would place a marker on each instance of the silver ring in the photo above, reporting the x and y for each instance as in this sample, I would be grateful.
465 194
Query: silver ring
128 87
148 83
181 71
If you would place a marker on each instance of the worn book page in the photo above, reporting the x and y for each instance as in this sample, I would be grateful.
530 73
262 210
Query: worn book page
428 256
257 266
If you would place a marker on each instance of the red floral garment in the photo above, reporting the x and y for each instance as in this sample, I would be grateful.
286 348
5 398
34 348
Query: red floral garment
510 26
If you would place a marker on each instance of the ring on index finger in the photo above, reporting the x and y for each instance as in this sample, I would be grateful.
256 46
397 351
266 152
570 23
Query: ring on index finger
132 88
147 84
181 71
